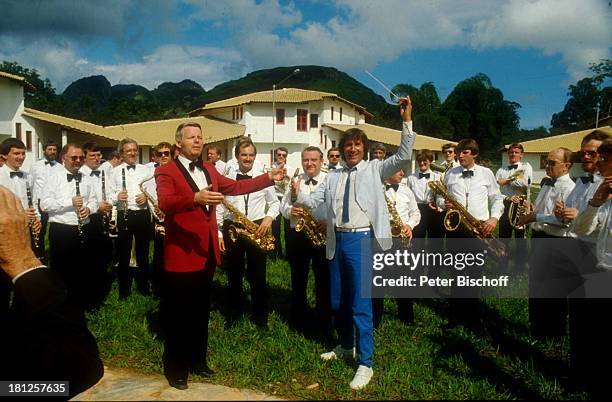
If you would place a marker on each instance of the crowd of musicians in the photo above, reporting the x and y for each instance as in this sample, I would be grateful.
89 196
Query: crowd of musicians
200 213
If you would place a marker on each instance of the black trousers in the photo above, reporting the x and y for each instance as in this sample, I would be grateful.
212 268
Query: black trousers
158 262
235 256
276 231
430 225
505 232
71 258
185 312
301 253
5 295
44 219
101 247
140 228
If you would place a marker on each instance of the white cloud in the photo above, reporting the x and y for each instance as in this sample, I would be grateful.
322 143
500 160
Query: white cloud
577 30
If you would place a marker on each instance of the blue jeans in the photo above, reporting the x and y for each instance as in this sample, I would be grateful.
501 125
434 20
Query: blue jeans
352 313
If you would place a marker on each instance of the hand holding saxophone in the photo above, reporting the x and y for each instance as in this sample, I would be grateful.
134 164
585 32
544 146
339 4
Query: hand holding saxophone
264 226
207 197
141 199
488 226
297 212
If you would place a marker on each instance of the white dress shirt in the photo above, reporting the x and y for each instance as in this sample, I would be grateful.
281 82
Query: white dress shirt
579 199
133 177
405 205
58 194
107 168
598 220
475 192
545 204
196 174
357 216
420 189
260 204
96 181
319 213
220 166
17 185
40 171
518 186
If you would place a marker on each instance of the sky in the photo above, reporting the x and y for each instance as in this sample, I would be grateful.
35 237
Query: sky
531 49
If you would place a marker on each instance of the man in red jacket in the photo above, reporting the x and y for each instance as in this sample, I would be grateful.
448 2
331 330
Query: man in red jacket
188 190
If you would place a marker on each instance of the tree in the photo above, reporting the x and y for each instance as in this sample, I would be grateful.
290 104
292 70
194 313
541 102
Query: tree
478 110
44 97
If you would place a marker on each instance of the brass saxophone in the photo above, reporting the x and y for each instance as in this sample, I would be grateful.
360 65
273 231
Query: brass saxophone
462 215
154 208
396 221
243 227
308 223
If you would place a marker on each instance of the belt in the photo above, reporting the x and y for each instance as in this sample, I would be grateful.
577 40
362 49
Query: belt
351 230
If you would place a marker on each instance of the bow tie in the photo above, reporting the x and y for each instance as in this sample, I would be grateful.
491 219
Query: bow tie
155 164
76 176
393 186
95 173
510 167
547 181
240 176
311 180
195 164
425 175
467 173
18 174
131 167
583 179
52 163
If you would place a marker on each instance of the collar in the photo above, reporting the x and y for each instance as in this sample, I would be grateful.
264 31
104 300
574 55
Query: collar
184 161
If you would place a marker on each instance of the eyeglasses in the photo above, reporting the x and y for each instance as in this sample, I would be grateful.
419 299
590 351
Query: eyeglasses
449 152
592 154
334 156
77 158
551 163
163 153
281 155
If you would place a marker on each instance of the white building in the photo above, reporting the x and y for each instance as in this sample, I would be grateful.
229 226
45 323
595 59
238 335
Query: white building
302 118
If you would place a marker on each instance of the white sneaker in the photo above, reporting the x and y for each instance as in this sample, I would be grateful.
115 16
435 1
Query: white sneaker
362 377
338 351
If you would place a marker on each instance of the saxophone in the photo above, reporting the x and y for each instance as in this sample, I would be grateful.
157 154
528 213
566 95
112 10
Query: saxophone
308 223
247 229
396 222
472 224
154 208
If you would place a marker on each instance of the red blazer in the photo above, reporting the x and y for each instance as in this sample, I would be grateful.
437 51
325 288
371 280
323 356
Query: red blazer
190 229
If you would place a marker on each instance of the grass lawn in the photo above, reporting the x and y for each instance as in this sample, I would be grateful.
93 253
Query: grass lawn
421 361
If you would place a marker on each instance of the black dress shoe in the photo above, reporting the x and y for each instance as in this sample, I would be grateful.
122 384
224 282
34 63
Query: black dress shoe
178 383
203 371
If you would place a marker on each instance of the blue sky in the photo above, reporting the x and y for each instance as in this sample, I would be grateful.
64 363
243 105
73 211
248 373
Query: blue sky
531 49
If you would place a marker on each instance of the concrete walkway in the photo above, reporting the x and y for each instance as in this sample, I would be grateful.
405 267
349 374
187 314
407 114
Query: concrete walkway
124 385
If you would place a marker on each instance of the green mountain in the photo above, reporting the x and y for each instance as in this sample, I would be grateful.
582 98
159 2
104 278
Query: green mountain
94 99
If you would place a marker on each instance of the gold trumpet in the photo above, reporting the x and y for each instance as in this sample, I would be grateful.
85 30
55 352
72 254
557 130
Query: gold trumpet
461 215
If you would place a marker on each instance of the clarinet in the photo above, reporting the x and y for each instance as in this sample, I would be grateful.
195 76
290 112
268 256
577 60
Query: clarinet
35 239
78 212
124 203
105 220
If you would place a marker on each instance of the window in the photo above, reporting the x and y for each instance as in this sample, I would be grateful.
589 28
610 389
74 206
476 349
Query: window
332 112
333 143
29 140
233 113
543 159
241 113
314 120
280 116
18 131
302 120
340 114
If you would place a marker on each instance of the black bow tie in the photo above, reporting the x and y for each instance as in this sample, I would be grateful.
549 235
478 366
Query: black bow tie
240 176
311 180
393 186
155 164
50 163
510 167
18 174
76 176
95 173
584 179
425 175
547 181
195 164
467 173
131 167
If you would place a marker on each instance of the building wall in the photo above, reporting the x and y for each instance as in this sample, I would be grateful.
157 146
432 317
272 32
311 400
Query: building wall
11 105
